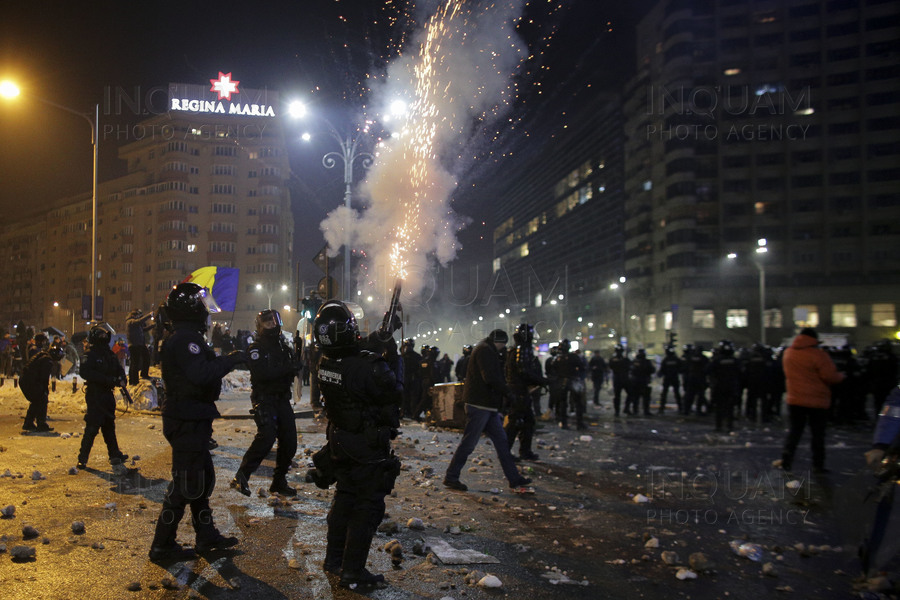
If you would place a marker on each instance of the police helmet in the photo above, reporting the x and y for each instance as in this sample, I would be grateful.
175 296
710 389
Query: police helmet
565 345
268 322
670 350
190 302
467 350
641 353
99 336
57 352
335 328
524 334
619 350
726 347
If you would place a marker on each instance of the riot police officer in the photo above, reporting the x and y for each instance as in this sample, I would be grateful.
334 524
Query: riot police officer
522 374
34 383
724 372
192 374
101 372
620 365
569 370
695 382
640 376
670 370
362 402
273 366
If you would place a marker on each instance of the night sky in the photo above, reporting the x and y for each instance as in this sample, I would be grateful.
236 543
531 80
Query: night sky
74 53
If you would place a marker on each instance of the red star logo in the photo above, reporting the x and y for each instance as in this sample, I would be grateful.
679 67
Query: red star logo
224 86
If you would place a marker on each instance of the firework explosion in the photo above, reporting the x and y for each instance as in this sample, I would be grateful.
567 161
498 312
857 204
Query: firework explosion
457 80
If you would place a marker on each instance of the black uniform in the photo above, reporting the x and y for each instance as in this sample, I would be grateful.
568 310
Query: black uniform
755 371
101 372
695 382
273 367
598 373
412 381
193 378
521 375
568 369
362 401
620 365
34 384
640 376
670 370
724 372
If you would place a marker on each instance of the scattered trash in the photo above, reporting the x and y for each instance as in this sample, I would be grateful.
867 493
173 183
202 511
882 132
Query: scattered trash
683 574
752 551
490 581
640 499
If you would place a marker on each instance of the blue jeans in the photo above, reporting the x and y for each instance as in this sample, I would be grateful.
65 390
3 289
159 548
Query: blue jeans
478 421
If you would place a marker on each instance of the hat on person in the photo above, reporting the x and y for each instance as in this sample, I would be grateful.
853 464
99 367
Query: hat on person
498 336
810 332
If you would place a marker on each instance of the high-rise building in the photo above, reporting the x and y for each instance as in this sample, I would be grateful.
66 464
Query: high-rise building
558 243
761 171
206 185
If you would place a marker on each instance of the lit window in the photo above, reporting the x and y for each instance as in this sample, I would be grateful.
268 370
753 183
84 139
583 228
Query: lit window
650 321
496 264
703 319
667 320
736 318
648 185
523 250
772 318
538 300
843 315
806 315
731 72
884 315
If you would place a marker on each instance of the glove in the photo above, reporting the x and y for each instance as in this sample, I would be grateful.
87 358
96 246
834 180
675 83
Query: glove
236 357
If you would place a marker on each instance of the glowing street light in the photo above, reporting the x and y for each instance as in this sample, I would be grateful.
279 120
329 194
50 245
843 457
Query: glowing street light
349 153
10 90
761 249
261 287
621 287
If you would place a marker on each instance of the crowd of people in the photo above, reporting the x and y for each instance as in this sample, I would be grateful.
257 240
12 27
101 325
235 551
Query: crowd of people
364 387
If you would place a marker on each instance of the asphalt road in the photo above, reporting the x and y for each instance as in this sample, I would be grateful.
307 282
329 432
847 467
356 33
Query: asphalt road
582 534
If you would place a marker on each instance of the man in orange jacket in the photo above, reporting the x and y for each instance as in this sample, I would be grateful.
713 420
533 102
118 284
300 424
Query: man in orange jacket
809 372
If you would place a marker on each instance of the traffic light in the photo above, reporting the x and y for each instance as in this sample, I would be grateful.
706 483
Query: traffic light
309 306
673 338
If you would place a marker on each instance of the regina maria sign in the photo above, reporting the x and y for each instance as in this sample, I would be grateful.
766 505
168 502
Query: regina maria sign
223 96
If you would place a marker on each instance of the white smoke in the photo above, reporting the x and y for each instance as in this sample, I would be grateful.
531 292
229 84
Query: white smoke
455 79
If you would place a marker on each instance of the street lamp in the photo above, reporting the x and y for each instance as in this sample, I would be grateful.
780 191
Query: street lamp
349 153
761 249
9 89
260 286
617 286
72 312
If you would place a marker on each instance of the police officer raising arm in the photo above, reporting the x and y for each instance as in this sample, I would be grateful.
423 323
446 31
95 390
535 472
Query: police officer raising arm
362 402
193 378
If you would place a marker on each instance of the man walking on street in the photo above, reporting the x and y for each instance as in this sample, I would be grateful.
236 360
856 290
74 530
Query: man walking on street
484 394
809 372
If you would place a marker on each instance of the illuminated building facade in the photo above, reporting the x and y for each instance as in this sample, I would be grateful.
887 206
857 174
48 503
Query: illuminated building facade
764 124
206 185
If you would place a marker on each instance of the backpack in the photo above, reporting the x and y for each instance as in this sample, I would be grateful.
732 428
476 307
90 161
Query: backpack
29 381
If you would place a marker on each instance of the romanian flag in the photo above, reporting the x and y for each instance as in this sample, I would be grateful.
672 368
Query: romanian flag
222 283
